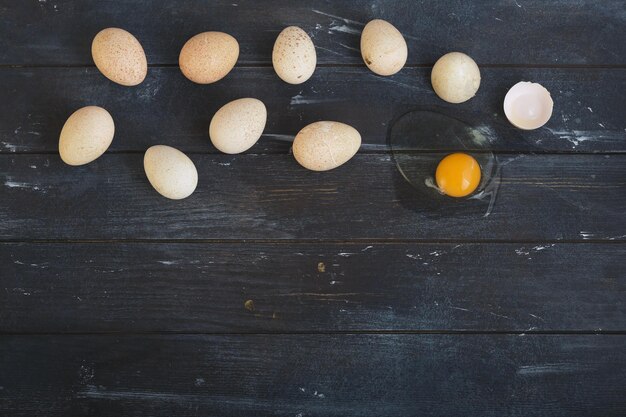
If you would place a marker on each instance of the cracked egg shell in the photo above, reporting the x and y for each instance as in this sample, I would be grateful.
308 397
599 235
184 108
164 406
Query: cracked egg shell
119 56
383 47
170 172
325 145
293 57
455 77
86 135
528 105
208 57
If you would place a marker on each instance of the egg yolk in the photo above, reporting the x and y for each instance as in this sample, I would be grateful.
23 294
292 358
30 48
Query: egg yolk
458 175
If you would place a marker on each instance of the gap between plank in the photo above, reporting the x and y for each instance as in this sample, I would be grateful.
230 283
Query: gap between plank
355 241
332 333
339 65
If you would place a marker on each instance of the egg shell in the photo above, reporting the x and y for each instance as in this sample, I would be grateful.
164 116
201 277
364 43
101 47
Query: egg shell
322 146
86 135
208 57
294 56
455 77
238 125
170 172
383 47
119 56
528 105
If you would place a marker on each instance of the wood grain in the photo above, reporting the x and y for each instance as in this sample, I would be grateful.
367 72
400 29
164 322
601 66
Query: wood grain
527 32
304 287
541 197
313 375
169 109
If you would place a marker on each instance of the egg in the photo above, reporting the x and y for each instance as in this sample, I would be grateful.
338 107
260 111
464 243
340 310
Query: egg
458 175
86 135
383 47
238 125
294 56
528 105
208 57
455 77
170 172
322 146
119 56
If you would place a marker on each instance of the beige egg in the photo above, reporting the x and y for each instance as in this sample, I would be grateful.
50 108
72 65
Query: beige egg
208 57
238 125
455 77
321 146
383 47
170 172
119 56
294 56
86 135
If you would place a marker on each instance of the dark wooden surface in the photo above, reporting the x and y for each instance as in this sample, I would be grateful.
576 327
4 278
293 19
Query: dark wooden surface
273 290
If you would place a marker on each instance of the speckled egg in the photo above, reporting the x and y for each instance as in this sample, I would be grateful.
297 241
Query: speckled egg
294 56
208 57
170 172
119 56
86 135
383 47
455 77
238 125
321 146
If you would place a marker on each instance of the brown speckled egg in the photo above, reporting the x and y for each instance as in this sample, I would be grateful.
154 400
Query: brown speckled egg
86 135
294 56
238 125
208 57
170 172
383 47
321 146
119 56
455 77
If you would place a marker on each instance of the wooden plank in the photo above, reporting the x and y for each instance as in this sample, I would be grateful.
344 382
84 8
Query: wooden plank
494 32
541 197
300 287
313 375
168 109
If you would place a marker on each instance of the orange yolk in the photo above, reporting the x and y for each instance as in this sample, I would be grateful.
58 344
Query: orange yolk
458 175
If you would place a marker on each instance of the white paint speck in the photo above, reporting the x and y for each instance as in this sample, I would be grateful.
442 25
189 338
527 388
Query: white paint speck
590 109
299 99
168 262
22 185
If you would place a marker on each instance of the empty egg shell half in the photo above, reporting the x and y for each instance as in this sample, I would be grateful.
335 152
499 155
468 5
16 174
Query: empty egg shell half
119 56
455 77
86 135
238 125
294 56
170 172
322 146
528 105
383 47
208 57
